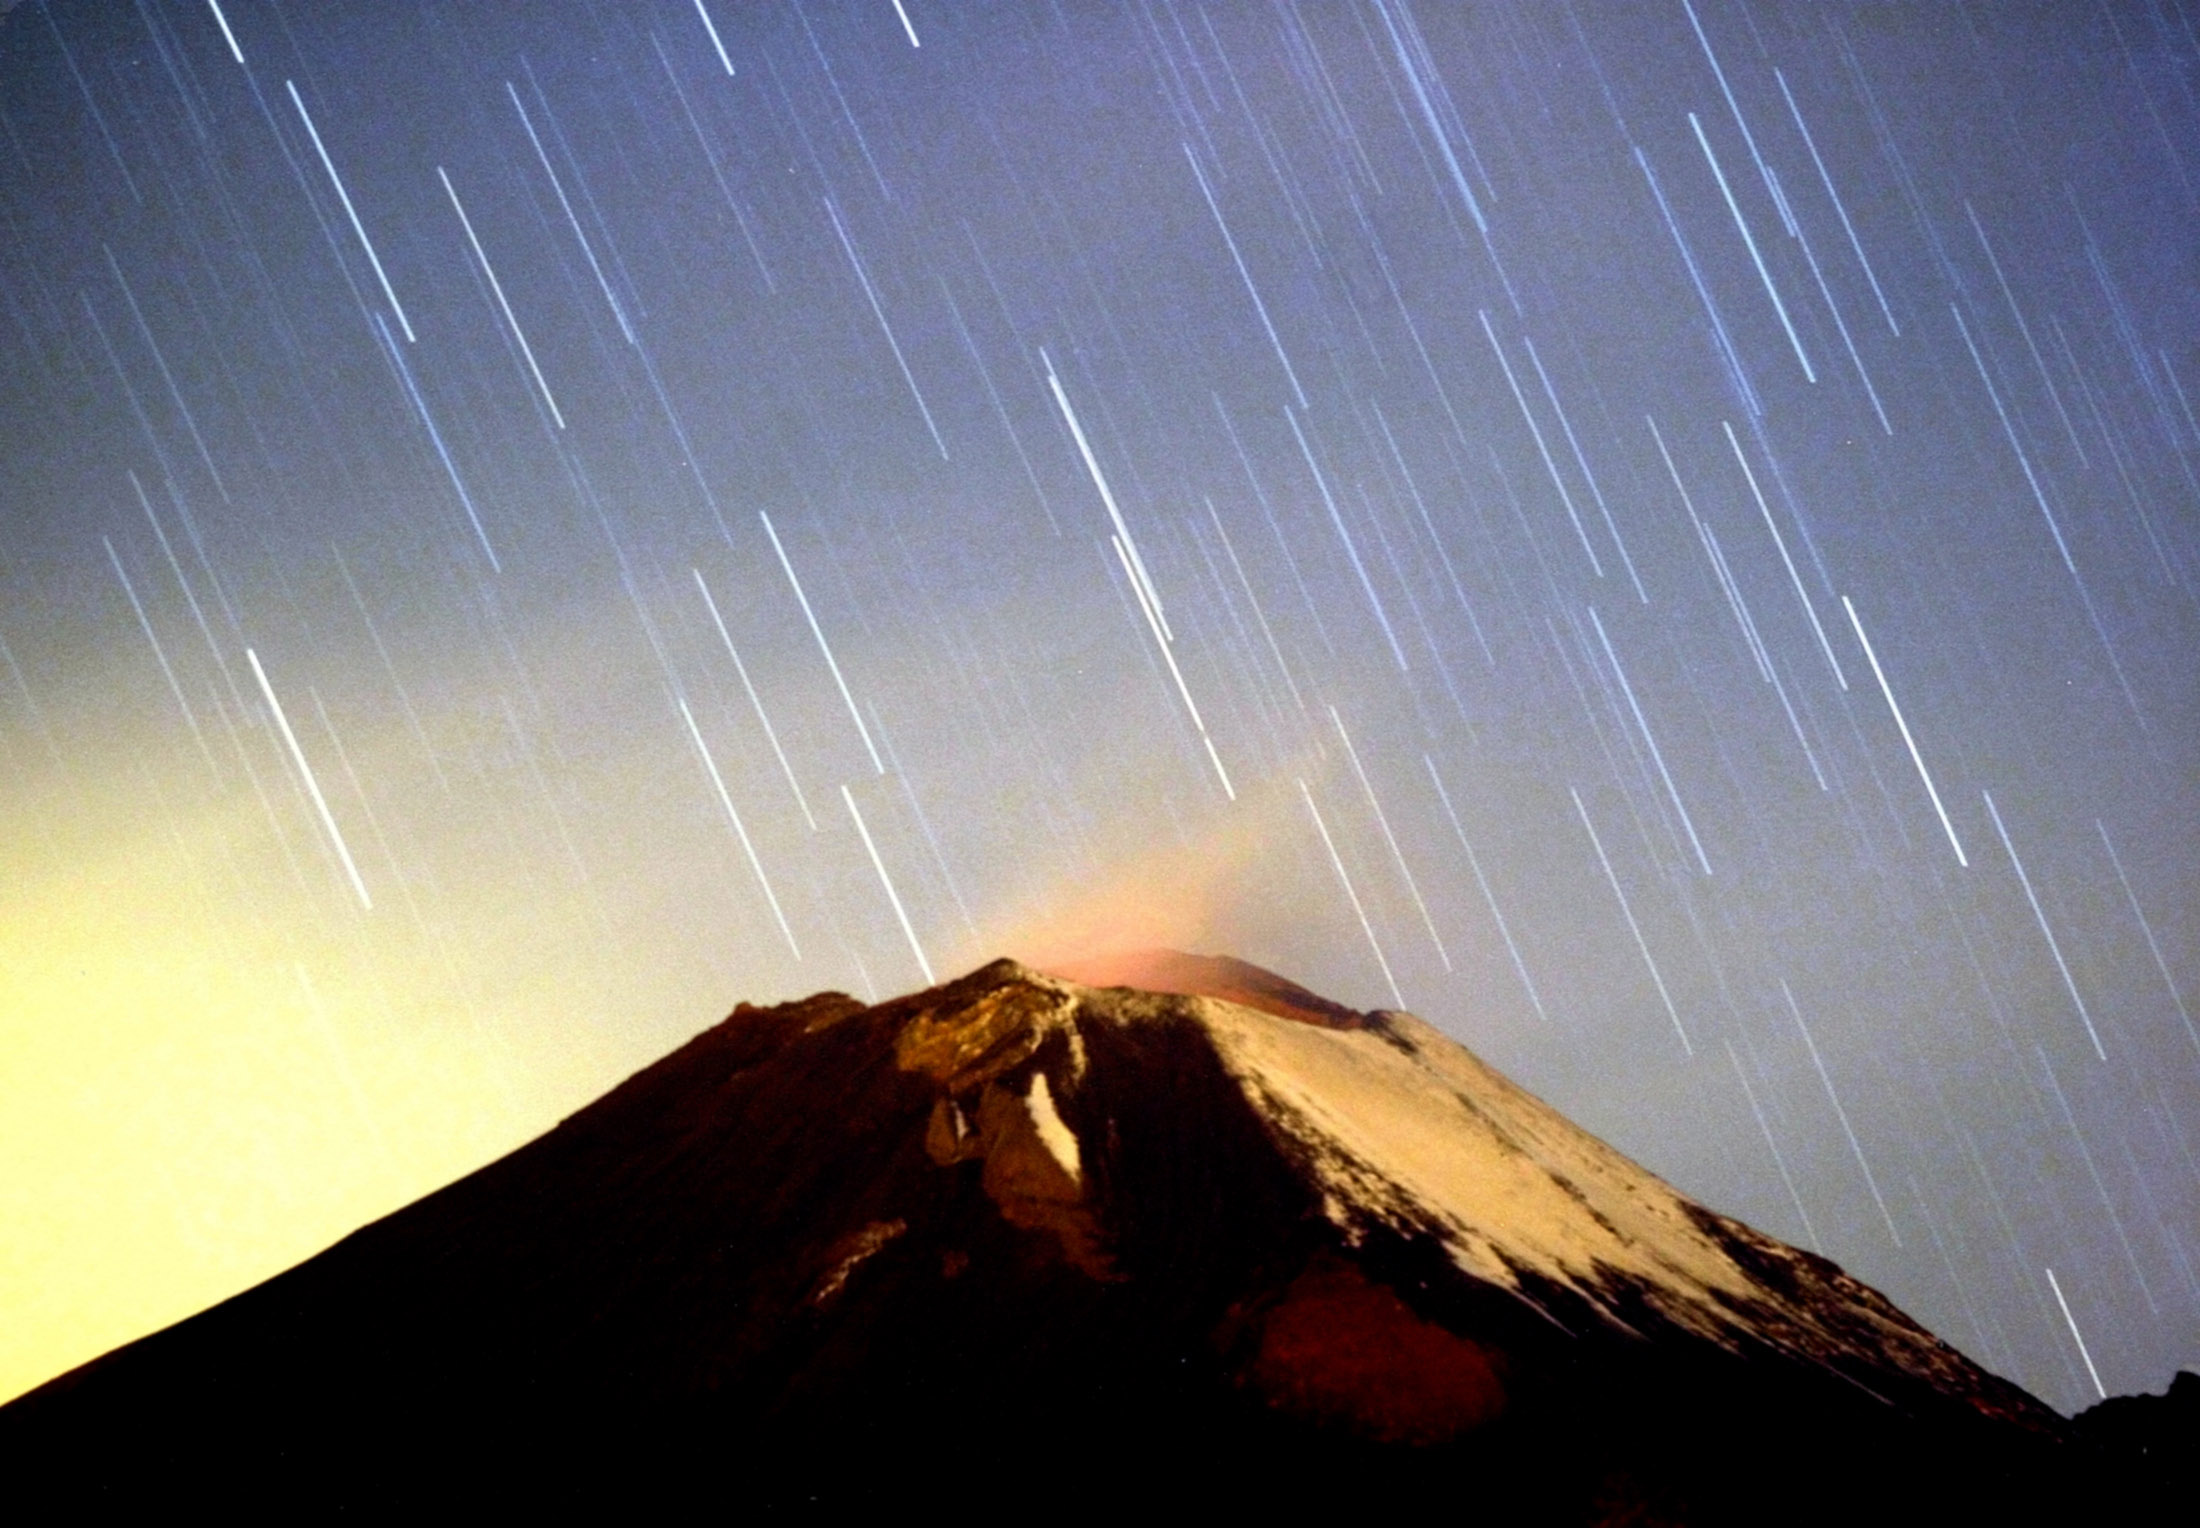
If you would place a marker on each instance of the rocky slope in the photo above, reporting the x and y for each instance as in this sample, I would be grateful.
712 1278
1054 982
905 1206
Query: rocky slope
1209 1239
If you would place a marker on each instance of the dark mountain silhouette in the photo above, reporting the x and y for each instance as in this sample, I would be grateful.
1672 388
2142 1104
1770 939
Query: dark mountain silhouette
1017 1243
2147 1450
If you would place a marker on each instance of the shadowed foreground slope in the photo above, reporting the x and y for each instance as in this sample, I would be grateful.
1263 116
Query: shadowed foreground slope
1015 1232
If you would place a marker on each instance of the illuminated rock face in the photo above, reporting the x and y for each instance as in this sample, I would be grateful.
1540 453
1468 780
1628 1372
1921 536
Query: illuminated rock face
1097 1243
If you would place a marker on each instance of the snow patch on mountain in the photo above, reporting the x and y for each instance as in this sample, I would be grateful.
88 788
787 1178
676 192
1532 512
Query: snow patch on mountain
1059 1140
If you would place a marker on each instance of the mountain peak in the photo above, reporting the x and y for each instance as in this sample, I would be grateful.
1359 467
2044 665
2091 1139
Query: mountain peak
1218 976
1196 1219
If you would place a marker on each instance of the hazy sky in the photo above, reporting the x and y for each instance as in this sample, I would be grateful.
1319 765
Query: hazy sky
1662 540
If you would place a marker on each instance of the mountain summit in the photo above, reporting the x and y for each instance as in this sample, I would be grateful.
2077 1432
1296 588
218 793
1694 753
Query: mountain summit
1204 1237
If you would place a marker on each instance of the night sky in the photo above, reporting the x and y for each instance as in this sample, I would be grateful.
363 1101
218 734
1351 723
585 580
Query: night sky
1663 540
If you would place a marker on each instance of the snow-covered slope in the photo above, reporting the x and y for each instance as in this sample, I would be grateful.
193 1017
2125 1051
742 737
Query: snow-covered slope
1404 1128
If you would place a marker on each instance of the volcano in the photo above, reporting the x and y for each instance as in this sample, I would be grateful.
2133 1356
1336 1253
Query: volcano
1152 1230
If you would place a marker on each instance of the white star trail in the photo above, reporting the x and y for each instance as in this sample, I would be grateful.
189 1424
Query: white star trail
312 785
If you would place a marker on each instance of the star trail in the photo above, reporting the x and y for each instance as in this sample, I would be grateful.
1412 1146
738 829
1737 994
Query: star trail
1661 538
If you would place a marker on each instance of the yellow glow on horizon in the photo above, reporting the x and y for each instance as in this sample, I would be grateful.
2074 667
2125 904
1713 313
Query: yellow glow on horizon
214 1062
192 1100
